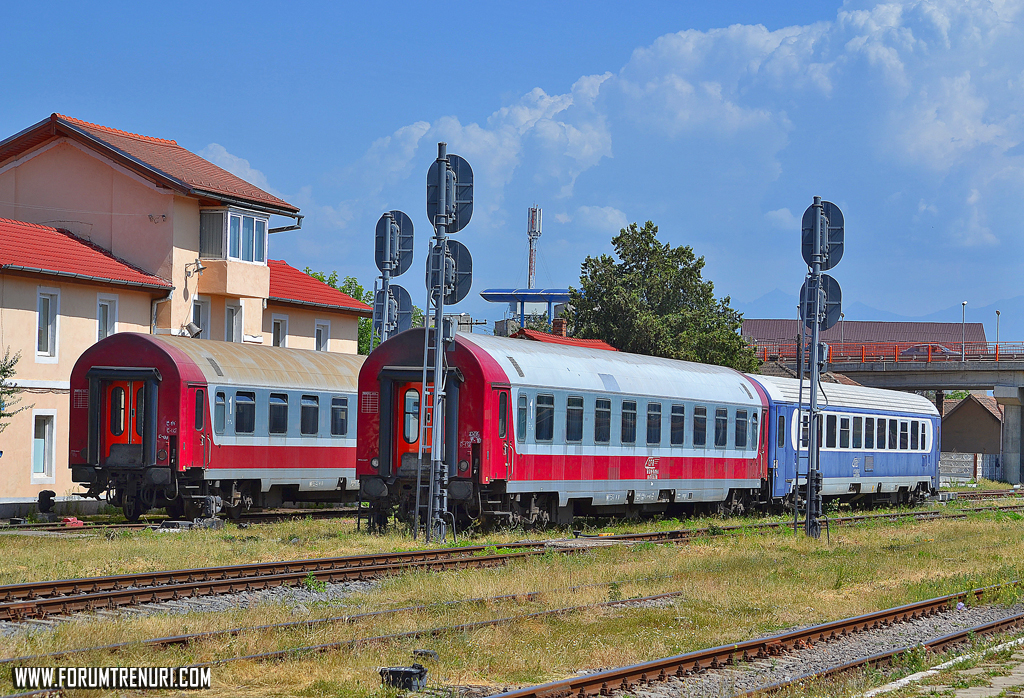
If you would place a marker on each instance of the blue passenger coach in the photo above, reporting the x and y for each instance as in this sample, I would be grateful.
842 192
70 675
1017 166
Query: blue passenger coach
876 445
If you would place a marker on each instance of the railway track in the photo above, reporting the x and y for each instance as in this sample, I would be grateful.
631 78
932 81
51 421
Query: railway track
151 521
990 494
29 600
693 663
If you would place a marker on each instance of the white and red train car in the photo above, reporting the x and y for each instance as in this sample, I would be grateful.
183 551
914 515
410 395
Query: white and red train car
537 432
195 425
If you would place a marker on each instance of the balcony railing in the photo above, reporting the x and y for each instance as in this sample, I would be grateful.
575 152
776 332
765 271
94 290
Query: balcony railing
901 352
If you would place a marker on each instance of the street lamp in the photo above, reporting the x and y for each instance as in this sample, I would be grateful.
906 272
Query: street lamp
963 331
997 328
842 328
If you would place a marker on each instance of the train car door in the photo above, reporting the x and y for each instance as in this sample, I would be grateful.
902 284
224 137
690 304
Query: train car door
124 404
408 430
198 437
501 431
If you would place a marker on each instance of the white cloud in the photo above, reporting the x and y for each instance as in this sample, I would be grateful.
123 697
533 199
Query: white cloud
782 219
240 167
601 218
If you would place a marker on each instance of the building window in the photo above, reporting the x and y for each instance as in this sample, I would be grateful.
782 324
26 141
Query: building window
309 415
339 416
244 235
48 303
279 328
232 322
211 234
201 317
323 334
106 316
42 446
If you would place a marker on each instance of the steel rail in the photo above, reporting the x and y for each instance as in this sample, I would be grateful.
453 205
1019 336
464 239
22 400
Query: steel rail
940 643
625 678
256 517
176 589
189 638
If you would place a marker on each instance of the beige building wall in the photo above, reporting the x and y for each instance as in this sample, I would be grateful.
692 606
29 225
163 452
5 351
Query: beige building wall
344 334
44 379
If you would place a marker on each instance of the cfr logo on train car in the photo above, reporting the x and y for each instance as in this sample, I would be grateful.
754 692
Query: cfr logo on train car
651 466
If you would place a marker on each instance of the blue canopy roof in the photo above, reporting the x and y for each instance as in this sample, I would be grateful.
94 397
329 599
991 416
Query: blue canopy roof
526 295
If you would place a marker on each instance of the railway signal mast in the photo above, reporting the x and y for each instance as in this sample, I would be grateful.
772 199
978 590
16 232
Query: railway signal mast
448 280
392 251
822 238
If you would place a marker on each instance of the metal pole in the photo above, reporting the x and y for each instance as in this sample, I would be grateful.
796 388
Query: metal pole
997 335
439 499
386 279
373 333
422 430
812 526
963 331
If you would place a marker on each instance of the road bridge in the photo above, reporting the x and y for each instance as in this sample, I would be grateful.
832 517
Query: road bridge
907 366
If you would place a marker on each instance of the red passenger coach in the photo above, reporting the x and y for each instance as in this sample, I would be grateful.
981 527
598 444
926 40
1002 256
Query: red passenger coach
537 432
196 425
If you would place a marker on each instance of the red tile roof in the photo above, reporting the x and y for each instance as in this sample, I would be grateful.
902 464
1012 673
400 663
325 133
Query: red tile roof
558 339
785 331
40 249
289 285
155 158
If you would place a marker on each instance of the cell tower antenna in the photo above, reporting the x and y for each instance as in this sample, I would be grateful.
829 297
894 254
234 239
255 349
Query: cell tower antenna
533 225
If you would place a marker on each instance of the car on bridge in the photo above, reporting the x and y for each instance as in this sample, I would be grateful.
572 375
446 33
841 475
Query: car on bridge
929 352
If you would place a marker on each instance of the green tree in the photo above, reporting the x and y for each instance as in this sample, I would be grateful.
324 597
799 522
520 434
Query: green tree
352 287
9 394
653 301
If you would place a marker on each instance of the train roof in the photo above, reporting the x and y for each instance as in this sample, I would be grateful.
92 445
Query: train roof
233 363
851 396
562 367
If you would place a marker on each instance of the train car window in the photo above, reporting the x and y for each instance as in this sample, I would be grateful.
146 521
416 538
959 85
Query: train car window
880 441
830 431
309 415
245 413
521 423
740 435
805 431
277 413
869 432
117 411
339 416
502 415
892 434
858 431
913 435
677 425
844 432
218 413
924 436
545 418
780 432
574 419
904 435
602 421
140 407
200 420
629 421
721 427
411 416
755 435
654 423
700 427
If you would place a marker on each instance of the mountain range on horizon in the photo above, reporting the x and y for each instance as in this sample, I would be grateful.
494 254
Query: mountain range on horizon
778 304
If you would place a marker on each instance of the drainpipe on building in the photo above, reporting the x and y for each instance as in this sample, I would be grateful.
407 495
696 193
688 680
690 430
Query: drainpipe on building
153 304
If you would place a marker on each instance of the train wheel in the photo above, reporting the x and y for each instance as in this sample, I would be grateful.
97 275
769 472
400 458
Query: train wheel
132 507
234 513
176 509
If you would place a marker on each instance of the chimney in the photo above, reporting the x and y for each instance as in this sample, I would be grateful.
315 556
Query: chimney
558 327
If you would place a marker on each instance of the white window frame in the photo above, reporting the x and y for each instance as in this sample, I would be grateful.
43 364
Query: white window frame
204 313
52 355
48 476
109 300
283 319
326 325
236 321
242 213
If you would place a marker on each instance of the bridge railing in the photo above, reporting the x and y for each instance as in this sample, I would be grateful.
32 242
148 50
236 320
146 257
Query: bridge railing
900 352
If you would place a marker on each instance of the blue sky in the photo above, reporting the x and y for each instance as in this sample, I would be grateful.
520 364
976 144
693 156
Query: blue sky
718 121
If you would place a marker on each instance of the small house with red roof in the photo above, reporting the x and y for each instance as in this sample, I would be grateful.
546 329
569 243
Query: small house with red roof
104 230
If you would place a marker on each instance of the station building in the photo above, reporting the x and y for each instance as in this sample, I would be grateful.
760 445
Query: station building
105 231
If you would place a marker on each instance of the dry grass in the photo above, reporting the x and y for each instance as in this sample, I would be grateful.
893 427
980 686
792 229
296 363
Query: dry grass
734 587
